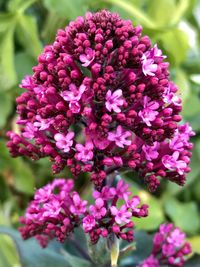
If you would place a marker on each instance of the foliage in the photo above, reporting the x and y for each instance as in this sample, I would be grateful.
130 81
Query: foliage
25 26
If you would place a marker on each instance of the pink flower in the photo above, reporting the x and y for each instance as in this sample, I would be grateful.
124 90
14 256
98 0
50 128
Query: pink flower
121 215
105 194
169 97
64 142
151 152
88 57
42 124
73 95
88 223
148 66
29 131
27 82
119 137
52 209
113 101
172 163
176 237
98 210
148 114
84 153
133 203
78 206
122 190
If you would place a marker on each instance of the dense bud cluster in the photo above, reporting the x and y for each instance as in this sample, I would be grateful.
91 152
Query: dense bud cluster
169 248
103 79
56 210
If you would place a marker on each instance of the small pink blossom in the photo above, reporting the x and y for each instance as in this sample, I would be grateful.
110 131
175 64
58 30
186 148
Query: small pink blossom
133 203
27 82
151 152
148 66
122 190
84 153
172 163
42 124
64 142
88 223
105 194
149 114
88 57
73 95
52 209
121 215
119 137
29 130
98 210
78 206
114 100
176 237
169 97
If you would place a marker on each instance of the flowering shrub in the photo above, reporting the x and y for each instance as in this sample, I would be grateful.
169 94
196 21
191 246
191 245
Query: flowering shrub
102 79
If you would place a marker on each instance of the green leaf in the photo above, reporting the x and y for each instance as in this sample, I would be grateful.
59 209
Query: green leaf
27 34
75 261
8 253
67 9
7 70
182 81
195 243
19 5
23 64
184 215
176 44
195 78
5 108
32 255
133 11
191 107
17 171
156 215
162 11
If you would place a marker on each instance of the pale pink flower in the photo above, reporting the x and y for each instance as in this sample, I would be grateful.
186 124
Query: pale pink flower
172 163
149 114
88 57
148 66
121 215
88 223
114 100
84 153
29 131
119 137
42 124
78 206
64 142
176 237
98 210
151 152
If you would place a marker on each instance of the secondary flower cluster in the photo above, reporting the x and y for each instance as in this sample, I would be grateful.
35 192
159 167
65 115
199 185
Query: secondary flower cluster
169 248
56 210
103 77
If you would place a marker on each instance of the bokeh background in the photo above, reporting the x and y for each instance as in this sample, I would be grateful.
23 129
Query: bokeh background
25 27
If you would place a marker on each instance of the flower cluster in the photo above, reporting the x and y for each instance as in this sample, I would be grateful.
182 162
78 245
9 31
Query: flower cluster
56 210
103 77
169 248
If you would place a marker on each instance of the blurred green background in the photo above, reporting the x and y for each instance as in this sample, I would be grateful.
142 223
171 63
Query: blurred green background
25 27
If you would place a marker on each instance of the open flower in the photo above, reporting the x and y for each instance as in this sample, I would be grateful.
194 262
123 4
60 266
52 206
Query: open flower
64 142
